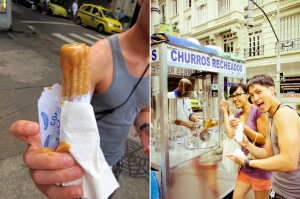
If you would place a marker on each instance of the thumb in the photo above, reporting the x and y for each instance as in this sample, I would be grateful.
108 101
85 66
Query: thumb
222 96
27 131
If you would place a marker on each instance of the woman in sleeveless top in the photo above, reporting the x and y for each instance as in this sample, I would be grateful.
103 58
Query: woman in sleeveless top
256 128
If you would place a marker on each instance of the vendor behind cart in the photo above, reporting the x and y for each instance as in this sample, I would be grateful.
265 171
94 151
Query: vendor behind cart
184 111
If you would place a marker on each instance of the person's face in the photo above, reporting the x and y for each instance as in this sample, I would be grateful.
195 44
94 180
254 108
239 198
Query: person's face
239 98
185 89
262 96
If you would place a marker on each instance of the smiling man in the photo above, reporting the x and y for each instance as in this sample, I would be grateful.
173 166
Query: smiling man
282 149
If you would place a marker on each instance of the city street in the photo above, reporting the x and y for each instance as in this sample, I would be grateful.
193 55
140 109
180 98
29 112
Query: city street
29 61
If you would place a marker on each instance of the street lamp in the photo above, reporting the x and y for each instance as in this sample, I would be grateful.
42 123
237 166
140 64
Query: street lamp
278 68
249 15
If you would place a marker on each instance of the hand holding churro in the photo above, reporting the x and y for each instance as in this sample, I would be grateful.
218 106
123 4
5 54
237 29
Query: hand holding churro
68 123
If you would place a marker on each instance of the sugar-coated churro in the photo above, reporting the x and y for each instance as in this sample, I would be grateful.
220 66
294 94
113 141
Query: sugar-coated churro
75 64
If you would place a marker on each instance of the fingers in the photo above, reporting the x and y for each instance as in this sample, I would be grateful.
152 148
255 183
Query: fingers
222 95
44 177
47 161
234 122
58 192
230 156
223 102
146 150
22 129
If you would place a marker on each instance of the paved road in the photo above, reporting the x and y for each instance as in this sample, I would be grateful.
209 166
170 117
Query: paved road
57 29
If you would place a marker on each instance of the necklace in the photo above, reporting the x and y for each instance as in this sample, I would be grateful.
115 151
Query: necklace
276 109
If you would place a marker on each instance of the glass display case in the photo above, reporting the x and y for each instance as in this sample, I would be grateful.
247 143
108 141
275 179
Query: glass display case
176 143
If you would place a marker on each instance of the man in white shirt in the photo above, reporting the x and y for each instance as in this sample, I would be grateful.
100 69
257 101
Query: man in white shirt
184 110
74 9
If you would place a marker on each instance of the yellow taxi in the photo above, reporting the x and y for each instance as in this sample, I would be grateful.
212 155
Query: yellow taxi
53 8
98 17
195 104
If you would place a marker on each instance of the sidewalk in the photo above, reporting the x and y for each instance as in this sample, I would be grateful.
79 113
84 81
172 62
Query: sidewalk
24 71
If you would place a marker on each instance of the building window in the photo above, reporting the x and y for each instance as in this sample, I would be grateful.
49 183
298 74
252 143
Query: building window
175 27
290 33
188 24
174 7
163 13
228 43
188 4
259 2
204 42
255 44
223 7
201 14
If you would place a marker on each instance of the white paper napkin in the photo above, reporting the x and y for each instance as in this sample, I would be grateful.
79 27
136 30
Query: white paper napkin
239 152
239 134
75 123
79 129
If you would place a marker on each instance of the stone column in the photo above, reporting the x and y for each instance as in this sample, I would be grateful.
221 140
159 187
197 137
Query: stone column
155 15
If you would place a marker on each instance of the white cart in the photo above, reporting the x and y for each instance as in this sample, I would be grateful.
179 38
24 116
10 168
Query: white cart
176 151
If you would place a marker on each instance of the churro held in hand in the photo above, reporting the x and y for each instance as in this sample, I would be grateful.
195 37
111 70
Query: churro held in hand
75 64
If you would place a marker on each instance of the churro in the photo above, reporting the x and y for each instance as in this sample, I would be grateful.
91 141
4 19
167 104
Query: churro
75 64
208 124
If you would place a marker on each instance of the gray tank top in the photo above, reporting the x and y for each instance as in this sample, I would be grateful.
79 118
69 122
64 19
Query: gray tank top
114 127
286 184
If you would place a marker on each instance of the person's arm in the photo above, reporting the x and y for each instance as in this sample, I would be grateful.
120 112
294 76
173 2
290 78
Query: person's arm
193 118
263 129
259 153
226 111
141 119
288 133
48 170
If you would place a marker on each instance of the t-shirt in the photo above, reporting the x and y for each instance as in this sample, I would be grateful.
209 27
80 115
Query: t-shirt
184 109
254 114
74 8
114 127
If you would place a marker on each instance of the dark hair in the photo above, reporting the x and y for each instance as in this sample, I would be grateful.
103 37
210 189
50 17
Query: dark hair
186 84
263 80
235 86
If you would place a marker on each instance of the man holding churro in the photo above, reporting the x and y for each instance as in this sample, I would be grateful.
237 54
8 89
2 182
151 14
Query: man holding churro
117 64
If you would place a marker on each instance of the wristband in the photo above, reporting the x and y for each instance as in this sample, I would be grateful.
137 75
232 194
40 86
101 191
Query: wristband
141 129
247 163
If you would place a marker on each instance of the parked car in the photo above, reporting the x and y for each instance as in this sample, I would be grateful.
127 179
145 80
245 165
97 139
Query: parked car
26 3
195 104
54 8
98 17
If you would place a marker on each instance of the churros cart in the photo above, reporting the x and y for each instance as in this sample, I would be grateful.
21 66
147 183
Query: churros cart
178 154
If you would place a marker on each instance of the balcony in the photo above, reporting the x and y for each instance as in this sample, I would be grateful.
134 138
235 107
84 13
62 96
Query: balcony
288 45
254 51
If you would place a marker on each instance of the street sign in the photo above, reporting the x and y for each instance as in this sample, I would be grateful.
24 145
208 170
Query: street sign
290 85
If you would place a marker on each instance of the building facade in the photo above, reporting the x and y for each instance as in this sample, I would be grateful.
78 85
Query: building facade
222 23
